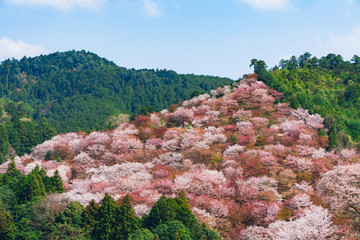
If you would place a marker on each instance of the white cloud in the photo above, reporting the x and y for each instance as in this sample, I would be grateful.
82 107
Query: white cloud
63 4
12 49
276 5
345 44
150 8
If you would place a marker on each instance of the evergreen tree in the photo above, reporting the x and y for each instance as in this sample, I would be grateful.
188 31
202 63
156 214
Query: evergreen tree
36 187
73 212
163 210
4 142
106 226
57 183
7 224
173 230
48 183
45 130
127 219
90 215
142 234
12 171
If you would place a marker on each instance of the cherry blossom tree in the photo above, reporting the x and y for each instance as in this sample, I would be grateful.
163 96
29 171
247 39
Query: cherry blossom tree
314 223
340 189
182 115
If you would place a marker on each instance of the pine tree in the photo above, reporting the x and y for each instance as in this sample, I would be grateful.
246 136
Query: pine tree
12 171
105 228
36 187
7 224
4 142
127 219
90 215
45 130
46 180
57 183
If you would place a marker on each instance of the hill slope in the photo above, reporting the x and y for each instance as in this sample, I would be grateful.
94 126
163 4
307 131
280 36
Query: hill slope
251 168
329 86
79 90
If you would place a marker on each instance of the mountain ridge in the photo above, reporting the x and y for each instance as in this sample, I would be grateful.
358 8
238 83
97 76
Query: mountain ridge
88 89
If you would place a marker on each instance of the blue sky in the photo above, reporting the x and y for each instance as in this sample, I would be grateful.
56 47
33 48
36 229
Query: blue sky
210 37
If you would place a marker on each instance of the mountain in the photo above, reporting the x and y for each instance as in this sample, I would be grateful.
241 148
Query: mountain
328 86
78 90
244 162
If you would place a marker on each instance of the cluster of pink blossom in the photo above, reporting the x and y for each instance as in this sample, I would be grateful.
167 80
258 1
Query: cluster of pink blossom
314 223
340 187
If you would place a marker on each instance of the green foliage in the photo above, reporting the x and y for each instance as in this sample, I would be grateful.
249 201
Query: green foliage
128 222
105 228
142 234
18 131
78 90
329 86
173 230
4 143
7 224
72 214
168 210
90 216
57 183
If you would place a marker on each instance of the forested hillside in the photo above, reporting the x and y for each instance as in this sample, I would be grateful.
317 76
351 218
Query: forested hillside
245 164
329 86
78 90
19 133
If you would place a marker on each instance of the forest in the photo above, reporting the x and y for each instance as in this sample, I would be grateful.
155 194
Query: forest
78 90
328 86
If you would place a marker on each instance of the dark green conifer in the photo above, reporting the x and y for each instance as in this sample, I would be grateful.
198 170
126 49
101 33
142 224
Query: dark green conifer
57 183
90 215
105 228
142 234
4 142
36 187
127 220
45 130
7 224
12 171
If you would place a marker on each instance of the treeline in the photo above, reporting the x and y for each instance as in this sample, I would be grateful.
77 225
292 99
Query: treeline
26 214
19 133
329 86
78 90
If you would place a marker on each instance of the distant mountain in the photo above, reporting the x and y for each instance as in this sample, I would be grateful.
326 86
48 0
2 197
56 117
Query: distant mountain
78 90
329 86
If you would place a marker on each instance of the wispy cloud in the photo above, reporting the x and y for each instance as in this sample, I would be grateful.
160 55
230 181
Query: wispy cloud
62 4
345 44
151 8
271 5
13 49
